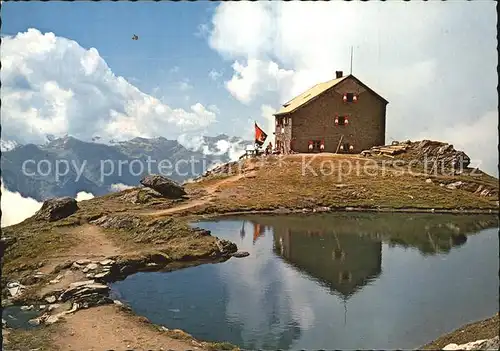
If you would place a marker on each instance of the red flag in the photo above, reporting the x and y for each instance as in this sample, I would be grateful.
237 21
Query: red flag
260 136
258 231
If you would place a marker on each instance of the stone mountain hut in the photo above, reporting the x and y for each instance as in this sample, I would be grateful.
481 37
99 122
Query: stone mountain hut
341 115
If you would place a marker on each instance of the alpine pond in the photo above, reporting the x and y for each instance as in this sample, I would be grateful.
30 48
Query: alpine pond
333 281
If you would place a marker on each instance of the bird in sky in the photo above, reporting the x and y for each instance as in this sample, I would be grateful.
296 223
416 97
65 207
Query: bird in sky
135 37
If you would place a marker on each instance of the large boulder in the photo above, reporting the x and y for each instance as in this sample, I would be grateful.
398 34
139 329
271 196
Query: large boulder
164 186
226 247
56 209
441 155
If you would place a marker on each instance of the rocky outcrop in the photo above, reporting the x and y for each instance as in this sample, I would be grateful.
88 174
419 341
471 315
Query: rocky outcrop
78 295
226 247
15 289
143 196
224 169
6 241
100 271
434 155
486 344
56 209
82 294
472 187
117 222
441 155
166 187
86 293
454 185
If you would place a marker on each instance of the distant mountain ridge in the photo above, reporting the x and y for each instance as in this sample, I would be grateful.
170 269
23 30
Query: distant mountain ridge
97 167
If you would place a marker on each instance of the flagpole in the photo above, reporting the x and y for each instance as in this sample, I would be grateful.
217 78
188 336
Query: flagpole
255 141
351 61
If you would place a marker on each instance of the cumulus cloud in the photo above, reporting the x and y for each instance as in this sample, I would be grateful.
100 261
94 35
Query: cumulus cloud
119 187
267 112
16 208
214 75
83 195
185 85
213 108
52 85
434 62
192 142
256 78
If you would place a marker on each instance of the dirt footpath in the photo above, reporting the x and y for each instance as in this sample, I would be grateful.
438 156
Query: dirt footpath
191 204
107 327
110 328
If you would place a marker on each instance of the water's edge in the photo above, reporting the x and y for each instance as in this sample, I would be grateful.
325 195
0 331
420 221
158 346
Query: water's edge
225 216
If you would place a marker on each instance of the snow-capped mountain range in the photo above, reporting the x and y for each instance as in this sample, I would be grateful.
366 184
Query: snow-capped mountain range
66 166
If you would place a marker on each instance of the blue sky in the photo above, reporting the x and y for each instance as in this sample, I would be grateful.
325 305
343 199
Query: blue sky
172 46
435 62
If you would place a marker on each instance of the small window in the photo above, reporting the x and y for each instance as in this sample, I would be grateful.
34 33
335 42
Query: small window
345 277
350 97
287 121
341 120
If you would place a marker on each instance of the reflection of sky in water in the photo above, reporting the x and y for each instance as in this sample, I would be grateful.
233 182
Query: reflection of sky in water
264 301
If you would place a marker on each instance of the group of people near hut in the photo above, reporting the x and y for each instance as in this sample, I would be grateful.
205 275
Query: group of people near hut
260 138
279 149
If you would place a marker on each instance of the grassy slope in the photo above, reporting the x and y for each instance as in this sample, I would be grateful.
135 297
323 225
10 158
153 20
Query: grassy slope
282 183
36 240
275 183
485 329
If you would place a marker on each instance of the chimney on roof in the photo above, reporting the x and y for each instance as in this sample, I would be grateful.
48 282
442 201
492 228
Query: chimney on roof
338 74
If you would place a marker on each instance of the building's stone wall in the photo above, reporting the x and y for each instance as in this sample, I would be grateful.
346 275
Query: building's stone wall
283 135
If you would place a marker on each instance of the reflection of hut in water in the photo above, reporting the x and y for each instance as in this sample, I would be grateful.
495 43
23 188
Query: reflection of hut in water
344 250
343 262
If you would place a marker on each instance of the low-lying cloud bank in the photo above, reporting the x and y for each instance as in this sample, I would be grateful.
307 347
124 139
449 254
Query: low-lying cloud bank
232 147
16 208
83 195
119 187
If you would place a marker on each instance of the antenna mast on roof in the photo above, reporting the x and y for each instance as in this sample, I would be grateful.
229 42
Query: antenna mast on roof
351 60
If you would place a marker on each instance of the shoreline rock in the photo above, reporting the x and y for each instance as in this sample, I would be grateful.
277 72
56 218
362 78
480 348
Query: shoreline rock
240 254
